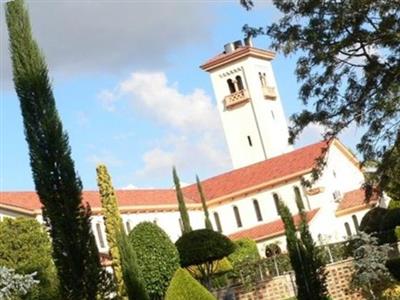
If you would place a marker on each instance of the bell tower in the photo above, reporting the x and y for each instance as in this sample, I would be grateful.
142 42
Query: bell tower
248 102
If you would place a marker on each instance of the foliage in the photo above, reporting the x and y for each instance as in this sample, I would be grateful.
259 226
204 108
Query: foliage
58 186
112 222
304 257
397 232
334 252
17 239
203 248
207 221
183 286
393 292
159 258
13 285
382 222
349 66
181 202
394 204
134 283
246 251
370 275
393 266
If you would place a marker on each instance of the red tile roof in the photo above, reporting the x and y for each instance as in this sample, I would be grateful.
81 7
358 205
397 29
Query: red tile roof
355 199
270 229
145 197
267 171
270 171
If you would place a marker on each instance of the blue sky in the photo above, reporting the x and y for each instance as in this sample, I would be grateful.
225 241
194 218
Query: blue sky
129 89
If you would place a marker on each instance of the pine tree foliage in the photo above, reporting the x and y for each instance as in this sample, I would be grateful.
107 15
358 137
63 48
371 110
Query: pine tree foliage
181 202
310 277
58 186
349 68
207 221
113 223
133 280
371 274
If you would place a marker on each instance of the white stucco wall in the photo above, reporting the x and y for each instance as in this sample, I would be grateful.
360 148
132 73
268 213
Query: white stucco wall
263 120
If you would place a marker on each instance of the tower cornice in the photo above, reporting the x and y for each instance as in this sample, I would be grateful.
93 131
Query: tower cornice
241 52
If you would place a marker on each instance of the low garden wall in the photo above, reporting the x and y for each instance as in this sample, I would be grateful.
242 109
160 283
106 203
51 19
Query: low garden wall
284 287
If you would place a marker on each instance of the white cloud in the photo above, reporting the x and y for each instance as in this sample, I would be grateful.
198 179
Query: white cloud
107 100
195 140
130 186
152 93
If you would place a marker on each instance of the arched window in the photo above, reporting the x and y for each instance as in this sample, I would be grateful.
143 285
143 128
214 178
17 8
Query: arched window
217 222
355 221
348 230
239 83
231 86
276 200
237 216
100 235
257 210
299 199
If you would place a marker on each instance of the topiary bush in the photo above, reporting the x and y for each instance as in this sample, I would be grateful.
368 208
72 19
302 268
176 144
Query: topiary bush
184 287
158 258
203 246
382 223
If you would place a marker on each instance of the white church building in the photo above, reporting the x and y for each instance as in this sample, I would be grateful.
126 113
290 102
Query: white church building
242 202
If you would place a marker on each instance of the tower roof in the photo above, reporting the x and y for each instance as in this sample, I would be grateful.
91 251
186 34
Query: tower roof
236 54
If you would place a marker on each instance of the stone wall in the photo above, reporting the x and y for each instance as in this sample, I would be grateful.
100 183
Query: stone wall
284 287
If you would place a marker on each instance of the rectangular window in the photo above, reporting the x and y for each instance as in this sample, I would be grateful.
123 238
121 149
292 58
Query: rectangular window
100 235
249 140
128 226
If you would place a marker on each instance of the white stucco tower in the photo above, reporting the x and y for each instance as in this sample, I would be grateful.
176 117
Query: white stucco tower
249 103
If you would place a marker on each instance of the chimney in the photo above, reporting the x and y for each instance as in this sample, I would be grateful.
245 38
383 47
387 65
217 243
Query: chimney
237 44
248 41
229 48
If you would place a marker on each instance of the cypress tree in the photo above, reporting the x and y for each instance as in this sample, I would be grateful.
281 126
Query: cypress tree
113 223
207 221
181 202
296 252
58 186
134 283
314 267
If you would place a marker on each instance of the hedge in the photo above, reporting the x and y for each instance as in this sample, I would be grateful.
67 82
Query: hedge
158 258
184 287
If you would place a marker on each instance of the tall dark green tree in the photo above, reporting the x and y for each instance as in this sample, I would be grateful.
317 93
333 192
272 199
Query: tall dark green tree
207 221
314 266
349 67
309 276
134 283
57 184
181 202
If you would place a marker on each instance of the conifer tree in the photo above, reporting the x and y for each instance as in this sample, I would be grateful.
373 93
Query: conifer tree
314 266
134 283
58 186
207 221
181 202
309 285
113 223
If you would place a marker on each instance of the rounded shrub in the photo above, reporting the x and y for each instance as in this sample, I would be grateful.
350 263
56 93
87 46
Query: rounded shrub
203 246
184 287
158 258
372 220
246 251
393 266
